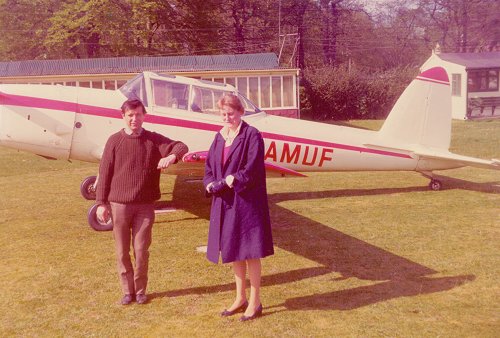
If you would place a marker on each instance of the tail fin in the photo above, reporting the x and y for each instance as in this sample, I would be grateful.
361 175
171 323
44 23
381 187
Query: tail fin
422 114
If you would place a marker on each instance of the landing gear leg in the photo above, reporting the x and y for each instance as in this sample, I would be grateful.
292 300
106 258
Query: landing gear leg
434 184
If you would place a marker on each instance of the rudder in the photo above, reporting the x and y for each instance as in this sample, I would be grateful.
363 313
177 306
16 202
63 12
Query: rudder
422 114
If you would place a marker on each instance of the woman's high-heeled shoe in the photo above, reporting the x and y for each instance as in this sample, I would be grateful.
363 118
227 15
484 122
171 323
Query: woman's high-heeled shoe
257 314
240 308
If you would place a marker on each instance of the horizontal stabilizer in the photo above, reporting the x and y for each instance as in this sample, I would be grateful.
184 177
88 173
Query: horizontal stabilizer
459 159
441 155
388 148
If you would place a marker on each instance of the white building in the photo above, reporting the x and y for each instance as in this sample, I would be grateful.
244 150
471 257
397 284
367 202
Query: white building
474 82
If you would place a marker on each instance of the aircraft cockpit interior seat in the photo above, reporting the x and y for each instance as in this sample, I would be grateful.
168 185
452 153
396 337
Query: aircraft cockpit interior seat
195 107
182 104
196 103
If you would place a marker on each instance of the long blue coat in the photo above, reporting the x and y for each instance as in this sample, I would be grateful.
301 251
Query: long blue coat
240 226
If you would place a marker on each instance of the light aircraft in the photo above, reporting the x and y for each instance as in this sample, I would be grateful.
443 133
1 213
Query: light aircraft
60 122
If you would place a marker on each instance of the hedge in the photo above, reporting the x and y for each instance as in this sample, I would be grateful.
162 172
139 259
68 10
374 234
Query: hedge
343 94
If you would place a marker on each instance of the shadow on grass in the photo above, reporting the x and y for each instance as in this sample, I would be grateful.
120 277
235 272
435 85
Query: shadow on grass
455 183
279 278
336 252
365 295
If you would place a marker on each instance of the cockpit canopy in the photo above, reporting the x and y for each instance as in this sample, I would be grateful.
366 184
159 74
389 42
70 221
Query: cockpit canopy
177 92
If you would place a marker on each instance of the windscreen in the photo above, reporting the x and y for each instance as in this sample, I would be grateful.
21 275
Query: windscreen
135 89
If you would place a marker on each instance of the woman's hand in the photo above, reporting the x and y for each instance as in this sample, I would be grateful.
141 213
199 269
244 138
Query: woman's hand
217 186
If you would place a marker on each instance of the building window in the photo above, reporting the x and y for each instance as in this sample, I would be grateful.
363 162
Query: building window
231 81
265 92
253 87
242 85
288 91
456 84
276 91
483 81
110 84
120 83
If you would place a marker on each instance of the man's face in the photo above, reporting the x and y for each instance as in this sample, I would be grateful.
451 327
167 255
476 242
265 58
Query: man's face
134 118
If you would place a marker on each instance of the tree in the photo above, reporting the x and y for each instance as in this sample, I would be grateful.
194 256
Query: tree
195 28
333 13
293 15
22 32
463 25
249 25
400 36
89 28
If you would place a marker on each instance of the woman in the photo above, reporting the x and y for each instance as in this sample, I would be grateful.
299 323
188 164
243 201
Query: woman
240 227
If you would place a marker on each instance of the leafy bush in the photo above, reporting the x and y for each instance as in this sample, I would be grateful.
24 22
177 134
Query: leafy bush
343 94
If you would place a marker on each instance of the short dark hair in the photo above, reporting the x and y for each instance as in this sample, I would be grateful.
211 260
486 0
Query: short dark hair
132 104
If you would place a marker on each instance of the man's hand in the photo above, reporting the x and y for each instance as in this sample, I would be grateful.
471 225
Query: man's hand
102 213
166 161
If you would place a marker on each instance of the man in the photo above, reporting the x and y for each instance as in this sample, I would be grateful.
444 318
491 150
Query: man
128 184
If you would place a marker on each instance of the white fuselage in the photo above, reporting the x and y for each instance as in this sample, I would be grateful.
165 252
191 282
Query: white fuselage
74 123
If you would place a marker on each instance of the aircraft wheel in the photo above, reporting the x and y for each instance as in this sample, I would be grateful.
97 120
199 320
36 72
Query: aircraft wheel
435 185
87 188
95 223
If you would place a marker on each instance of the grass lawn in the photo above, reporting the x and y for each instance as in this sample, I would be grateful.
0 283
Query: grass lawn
368 254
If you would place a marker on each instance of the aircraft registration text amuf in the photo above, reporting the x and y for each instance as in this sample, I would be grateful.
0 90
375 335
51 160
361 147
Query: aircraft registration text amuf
61 122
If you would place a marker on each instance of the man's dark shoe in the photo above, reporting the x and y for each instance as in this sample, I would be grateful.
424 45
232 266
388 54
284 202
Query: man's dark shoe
141 299
127 299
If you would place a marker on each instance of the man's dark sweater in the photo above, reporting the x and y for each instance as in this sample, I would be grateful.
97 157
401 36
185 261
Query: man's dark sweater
128 170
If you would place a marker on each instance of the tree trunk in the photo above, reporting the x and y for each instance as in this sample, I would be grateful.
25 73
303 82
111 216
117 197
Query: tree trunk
330 32
239 36
301 63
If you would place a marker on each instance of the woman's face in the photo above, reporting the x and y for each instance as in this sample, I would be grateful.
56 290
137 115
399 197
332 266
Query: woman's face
230 117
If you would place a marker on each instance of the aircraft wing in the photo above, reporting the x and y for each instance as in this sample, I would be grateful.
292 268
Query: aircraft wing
97 153
272 170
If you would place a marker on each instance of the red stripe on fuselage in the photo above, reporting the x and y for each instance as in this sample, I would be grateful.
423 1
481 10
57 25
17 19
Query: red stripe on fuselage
36 102
26 101
325 144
